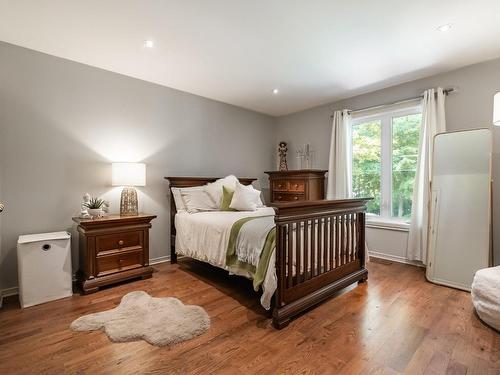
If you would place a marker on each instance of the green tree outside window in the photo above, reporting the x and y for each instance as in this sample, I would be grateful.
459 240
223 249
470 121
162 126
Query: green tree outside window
368 167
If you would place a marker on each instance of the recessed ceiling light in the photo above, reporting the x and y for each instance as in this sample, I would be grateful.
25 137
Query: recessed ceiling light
149 44
275 91
444 28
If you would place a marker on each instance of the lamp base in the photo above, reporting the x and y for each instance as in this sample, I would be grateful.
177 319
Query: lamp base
128 202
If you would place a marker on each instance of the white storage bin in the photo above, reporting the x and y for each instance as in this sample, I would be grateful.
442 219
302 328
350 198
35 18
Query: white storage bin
44 267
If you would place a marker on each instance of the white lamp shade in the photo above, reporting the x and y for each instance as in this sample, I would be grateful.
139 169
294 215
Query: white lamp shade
128 174
496 109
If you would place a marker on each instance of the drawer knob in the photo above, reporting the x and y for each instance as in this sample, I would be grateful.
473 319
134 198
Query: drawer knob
296 185
296 198
279 197
120 243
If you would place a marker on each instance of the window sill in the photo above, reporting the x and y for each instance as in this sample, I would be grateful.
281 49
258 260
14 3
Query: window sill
385 223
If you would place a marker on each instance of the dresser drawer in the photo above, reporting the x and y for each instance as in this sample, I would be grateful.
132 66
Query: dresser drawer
280 185
287 197
118 262
119 241
297 185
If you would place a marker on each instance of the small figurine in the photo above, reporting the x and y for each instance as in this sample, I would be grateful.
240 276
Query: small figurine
105 208
84 211
282 150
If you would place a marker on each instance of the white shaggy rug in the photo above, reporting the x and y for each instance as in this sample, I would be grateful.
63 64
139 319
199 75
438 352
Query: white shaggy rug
159 321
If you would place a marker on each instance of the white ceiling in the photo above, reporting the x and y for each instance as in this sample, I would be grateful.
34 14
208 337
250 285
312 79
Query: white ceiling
237 51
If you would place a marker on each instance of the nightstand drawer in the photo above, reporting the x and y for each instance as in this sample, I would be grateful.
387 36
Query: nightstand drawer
118 262
119 241
297 185
280 185
287 197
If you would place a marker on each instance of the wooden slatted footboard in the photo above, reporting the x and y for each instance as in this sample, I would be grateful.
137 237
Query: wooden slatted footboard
320 249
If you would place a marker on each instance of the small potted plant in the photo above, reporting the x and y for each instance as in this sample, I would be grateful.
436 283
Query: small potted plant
94 207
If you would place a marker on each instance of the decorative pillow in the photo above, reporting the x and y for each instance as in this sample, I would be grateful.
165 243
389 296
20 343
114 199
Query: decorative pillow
227 197
179 203
196 199
214 189
245 198
260 202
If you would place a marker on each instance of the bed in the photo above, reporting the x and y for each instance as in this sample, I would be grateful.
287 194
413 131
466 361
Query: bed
317 249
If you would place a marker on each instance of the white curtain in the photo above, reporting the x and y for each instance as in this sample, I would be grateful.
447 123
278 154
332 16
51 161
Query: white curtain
433 122
339 165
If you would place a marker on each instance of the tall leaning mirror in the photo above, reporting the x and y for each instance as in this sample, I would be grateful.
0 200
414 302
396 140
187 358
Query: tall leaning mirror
460 208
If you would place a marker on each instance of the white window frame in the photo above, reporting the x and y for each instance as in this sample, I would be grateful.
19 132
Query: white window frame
385 117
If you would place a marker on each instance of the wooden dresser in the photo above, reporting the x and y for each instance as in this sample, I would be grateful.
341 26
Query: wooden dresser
113 249
297 185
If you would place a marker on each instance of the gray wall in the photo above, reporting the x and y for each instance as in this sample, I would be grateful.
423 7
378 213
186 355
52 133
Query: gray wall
62 123
470 107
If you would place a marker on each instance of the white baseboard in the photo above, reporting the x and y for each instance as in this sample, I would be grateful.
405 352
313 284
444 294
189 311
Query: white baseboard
159 260
395 258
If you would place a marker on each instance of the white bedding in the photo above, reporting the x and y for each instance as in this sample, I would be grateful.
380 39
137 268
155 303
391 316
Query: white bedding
252 238
205 236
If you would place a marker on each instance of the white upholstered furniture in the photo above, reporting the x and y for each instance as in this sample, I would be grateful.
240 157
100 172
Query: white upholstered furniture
486 295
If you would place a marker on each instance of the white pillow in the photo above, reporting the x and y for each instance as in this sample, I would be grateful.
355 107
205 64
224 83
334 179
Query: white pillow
179 203
245 198
260 202
214 189
196 199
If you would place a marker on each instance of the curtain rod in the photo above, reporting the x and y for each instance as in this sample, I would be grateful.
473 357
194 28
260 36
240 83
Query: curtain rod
445 91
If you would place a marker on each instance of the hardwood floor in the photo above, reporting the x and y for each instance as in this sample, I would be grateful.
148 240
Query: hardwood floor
395 323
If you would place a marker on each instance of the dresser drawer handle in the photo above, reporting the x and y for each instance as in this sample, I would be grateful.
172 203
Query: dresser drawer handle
296 198
280 197
120 243
296 185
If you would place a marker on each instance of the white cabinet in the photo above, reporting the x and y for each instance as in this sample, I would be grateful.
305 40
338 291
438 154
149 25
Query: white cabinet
44 267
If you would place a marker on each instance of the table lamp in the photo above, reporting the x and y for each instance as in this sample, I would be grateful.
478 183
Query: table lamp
128 175
496 109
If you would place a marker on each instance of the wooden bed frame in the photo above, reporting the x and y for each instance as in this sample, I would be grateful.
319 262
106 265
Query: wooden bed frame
327 257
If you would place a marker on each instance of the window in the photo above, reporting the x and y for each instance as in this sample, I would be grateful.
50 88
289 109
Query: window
384 161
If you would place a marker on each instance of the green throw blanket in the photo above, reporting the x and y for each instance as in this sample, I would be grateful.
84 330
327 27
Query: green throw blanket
260 229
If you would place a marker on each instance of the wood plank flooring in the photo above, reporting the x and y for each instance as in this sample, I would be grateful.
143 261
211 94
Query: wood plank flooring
396 323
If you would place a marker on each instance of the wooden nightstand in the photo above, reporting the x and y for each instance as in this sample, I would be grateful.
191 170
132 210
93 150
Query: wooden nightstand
112 249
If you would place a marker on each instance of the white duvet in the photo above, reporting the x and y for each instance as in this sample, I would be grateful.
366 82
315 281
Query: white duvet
205 236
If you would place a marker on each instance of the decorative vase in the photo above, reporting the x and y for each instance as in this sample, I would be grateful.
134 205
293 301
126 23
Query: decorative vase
128 202
95 212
